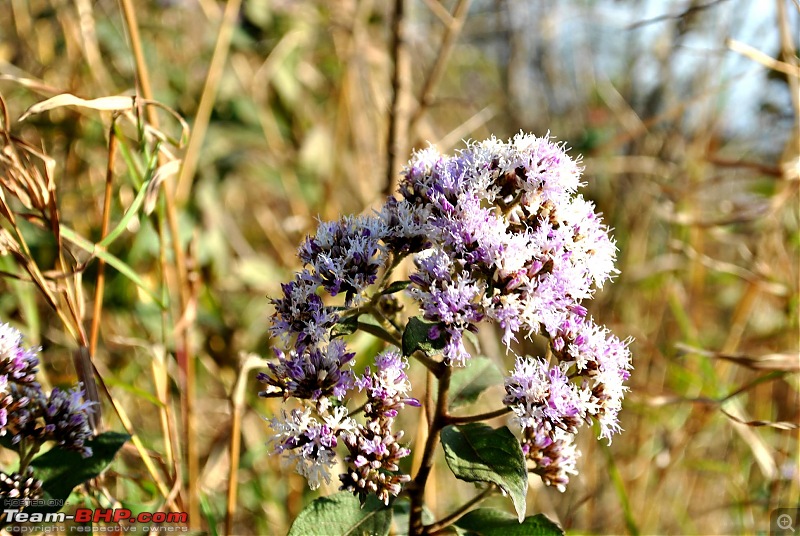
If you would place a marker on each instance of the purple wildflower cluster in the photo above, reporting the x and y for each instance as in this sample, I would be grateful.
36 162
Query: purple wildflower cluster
373 448
508 238
374 452
30 415
343 257
498 233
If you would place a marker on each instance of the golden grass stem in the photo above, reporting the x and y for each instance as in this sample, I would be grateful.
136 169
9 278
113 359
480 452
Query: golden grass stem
192 455
209 95
137 443
249 363
161 384
101 265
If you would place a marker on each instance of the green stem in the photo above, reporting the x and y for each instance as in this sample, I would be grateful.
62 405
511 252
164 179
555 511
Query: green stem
395 260
26 458
388 326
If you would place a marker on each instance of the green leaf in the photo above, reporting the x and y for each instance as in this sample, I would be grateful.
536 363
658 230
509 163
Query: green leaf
62 470
342 514
468 383
493 522
5 441
345 326
397 286
476 452
415 337
111 260
123 223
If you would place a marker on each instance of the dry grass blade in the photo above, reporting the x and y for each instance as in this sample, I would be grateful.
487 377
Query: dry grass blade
783 362
30 83
33 185
110 104
207 99
759 57
250 363
124 104
780 425
779 362
161 174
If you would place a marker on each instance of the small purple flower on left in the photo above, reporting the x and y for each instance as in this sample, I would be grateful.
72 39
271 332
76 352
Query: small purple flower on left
27 413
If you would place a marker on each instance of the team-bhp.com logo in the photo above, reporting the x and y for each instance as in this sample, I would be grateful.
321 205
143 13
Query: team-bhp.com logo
121 520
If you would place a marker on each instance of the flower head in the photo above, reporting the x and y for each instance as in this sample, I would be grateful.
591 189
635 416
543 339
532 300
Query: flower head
309 443
543 398
60 416
554 456
300 315
346 254
374 449
66 420
498 233
313 373
388 387
605 362
17 363
20 486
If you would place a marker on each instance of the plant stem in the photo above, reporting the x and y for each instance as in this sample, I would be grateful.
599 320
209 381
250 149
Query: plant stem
437 368
397 139
379 332
416 488
381 318
479 417
436 528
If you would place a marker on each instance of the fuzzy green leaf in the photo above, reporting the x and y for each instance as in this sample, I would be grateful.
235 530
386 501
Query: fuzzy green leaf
397 286
476 452
493 522
345 326
415 337
62 470
468 383
342 514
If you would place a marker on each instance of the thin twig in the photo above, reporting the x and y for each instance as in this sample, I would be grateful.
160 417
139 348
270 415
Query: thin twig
416 488
451 419
692 10
398 124
380 333
437 71
437 527
759 57
101 265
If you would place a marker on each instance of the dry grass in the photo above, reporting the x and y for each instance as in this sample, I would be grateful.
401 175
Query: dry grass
689 126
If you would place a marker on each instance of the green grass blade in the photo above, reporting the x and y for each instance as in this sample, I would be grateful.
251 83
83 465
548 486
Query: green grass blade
111 260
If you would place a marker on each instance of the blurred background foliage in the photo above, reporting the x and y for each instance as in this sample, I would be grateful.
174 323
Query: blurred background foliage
686 114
